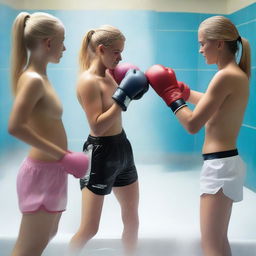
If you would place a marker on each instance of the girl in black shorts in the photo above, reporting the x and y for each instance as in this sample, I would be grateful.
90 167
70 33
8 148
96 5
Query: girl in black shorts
112 164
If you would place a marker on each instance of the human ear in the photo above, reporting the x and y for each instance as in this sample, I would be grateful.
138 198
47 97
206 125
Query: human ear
47 43
101 48
220 44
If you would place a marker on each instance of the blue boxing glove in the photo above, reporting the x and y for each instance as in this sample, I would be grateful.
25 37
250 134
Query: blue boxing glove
133 84
119 73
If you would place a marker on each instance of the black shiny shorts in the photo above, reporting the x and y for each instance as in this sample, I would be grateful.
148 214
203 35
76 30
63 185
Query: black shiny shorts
112 164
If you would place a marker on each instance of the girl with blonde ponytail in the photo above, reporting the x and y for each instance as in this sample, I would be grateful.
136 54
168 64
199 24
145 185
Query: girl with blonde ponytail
221 110
225 101
36 120
112 163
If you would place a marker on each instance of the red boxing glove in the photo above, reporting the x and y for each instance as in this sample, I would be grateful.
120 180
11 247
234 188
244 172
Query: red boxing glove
184 88
163 81
76 163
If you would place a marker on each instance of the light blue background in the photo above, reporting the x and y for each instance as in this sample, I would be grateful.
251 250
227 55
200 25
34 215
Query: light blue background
166 38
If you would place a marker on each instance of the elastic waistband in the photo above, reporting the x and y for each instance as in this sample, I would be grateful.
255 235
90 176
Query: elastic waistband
40 162
222 154
107 139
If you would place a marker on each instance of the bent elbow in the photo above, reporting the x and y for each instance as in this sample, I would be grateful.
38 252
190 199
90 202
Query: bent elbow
193 128
97 133
12 130
97 130
192 131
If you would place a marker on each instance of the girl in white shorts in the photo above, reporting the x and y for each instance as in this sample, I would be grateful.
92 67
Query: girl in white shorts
221 110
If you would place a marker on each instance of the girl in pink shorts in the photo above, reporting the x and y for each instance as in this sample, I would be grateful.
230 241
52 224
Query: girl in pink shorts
36 120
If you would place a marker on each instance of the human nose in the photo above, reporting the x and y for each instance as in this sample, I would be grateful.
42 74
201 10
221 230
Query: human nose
200 50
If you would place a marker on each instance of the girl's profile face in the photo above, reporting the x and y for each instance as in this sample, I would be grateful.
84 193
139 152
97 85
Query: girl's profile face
111 55
208 48
57 46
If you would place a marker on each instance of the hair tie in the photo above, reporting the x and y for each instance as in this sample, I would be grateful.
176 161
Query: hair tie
239 39
26 19
90 33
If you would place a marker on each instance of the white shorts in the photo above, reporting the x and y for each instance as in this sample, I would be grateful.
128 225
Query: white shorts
226 173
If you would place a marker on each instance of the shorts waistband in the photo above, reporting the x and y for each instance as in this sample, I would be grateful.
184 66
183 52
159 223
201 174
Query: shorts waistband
40 162
221 154
107 139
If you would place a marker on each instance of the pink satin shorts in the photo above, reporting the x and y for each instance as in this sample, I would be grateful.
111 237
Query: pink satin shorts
41 186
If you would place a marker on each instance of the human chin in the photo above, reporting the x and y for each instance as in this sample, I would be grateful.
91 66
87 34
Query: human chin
113 65
208 61
56 60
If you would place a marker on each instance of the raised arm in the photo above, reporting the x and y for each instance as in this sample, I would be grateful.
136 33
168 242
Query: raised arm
90 98
195 97
208 104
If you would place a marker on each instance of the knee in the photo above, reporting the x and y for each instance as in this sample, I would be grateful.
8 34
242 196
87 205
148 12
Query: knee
131 222
30 250
212 247
87 233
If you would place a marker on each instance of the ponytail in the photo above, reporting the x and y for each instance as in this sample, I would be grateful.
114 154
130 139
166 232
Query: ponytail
85 51
19 53
245 61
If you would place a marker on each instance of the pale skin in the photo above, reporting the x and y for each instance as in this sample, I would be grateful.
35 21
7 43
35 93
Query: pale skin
220 109
36 119
94 91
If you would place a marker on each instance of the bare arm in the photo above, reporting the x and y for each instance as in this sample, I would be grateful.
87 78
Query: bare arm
195 97
208 104
89 95
30 92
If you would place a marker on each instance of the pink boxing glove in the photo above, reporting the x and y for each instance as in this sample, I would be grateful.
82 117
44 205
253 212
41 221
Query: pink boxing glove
120 71
184 88
75 163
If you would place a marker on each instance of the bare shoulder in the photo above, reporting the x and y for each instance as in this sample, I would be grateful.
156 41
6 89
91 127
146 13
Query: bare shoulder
229 79
31 85
232 75
31 82
87 83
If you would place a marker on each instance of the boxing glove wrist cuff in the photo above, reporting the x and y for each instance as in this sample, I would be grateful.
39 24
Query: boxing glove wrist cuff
121 98
177 105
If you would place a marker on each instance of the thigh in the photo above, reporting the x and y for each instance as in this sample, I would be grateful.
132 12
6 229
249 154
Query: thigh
128 197
91 208
215 211
36 230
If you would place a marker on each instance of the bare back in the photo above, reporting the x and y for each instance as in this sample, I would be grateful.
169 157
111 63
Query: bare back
95 96
42 113
222 129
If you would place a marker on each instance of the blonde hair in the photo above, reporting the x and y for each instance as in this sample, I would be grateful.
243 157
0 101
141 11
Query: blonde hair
104 35
221 28
27 30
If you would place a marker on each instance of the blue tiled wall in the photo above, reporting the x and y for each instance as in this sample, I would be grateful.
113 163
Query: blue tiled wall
152 37
7 15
